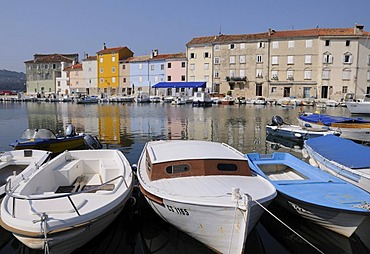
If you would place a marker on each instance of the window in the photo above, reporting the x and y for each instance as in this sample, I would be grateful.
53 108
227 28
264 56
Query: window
273 89
113 58
176 169
162 67
368 60
258 73
206 78
327 43
152 67
216 74
227 167
308 59
206 66
156 79
307 74
242 73
275 74
140 79
216 60
242 59
290 74
275 44
182 77
232 46
346 75
260 44
182 64
113 79
207 55
348 42
113 69
232 59
140 66
169 78
274 60
242 45
101 80
192 78
327 58
232 73
344 89
326 74
123 67
217 47
368 75
101 70
192 66
101 59
259 58
169 65
308 43
124 80
347 58
290 60
290 44
193 55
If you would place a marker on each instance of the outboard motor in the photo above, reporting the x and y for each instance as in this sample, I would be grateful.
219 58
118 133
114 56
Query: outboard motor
92 142
277 120
70 131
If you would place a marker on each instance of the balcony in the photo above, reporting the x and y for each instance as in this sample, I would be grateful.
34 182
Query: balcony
228 79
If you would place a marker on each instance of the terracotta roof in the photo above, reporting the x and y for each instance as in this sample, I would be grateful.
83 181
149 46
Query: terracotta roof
90 58
138 59
77 67
52 58
315 32
110 50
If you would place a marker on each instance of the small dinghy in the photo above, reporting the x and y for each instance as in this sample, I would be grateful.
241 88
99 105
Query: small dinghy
68 200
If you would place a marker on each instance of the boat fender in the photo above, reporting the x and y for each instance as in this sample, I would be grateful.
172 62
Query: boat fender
92 142
6 158
305 153
134 167
277 120
313 162
131 201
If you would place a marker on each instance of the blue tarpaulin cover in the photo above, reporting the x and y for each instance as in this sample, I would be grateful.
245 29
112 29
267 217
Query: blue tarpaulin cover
343 151
179 85
328 119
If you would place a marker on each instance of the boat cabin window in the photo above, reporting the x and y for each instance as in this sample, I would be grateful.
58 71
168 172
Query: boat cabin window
227 167
173 169
148 164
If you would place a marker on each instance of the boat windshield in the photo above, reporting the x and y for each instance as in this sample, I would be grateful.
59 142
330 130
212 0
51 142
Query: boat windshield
38 134
28 134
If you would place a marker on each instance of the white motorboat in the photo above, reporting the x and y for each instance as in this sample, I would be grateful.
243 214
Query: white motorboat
343 158
202 99
359 107
142 97
20 164
68 200
205 189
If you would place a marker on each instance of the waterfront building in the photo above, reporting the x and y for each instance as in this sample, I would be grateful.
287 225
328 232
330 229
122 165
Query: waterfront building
76 80
125 88
43 70
62 82
320 62
108 68
89 75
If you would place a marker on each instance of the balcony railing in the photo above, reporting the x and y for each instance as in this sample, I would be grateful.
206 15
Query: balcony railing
236 79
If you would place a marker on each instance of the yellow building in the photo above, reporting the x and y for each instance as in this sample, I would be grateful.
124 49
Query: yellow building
108 68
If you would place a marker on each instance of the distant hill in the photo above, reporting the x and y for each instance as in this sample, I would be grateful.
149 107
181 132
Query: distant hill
12 80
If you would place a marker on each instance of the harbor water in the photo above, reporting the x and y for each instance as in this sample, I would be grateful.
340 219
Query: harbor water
128 126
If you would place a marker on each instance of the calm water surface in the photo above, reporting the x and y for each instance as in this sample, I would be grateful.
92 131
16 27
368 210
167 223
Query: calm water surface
129 126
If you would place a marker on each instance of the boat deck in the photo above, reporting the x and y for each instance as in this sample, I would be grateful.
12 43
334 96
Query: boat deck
278 172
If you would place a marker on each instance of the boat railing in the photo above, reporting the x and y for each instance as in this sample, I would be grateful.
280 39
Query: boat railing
14 196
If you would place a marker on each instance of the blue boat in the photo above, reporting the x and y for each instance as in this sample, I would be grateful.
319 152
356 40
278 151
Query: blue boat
341 157
312 193
349 127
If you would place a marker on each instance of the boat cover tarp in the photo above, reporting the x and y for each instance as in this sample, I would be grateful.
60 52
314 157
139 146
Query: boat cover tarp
179 85
341 150
328 119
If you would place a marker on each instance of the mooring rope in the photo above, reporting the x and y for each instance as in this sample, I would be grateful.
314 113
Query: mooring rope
313 246
236 195
42 220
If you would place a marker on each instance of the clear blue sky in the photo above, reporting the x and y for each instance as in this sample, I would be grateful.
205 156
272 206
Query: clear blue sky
77 26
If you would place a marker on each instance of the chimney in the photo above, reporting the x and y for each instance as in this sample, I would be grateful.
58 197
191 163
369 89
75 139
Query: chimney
104 47
359 29
155 52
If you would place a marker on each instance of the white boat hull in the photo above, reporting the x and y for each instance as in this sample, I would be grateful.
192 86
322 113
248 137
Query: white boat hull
358 107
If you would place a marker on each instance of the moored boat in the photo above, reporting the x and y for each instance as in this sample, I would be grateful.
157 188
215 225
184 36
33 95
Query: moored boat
343 158
351 128
359 107
45 139
68 200
204 189
312 193
88 100
201 99
17 165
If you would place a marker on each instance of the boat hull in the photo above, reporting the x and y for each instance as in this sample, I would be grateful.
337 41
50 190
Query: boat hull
294 132
221 228
358 107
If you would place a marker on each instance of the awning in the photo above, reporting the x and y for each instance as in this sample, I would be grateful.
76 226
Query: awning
179 85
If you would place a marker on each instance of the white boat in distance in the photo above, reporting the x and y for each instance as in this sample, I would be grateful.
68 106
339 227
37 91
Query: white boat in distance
20 164
359 107
205 189
68 200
